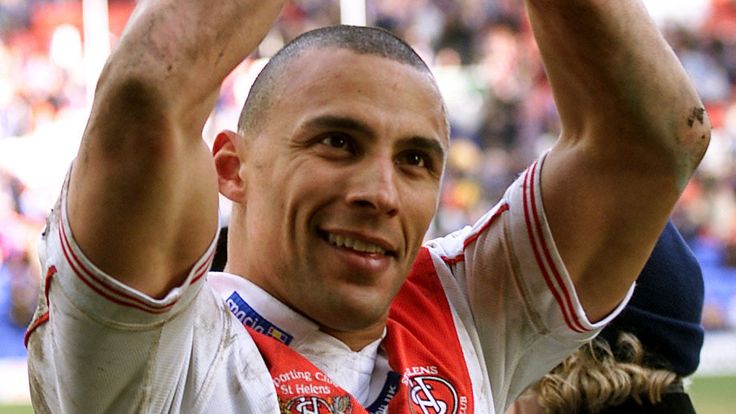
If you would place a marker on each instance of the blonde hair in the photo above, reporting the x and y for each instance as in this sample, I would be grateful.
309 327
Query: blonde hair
593 378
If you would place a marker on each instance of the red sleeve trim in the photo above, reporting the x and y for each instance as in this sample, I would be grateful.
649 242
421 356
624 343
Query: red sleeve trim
47 282
45 317
473 237
111 292
502 209
543 256
38 322
454 260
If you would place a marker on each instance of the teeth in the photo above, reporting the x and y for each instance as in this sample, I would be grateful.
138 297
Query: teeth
357 245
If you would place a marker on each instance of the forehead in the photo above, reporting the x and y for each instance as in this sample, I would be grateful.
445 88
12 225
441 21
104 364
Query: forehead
361 85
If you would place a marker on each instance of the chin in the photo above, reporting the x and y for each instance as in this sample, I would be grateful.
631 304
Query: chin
353 317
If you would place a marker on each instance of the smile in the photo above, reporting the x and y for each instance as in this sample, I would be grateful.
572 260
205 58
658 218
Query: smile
353 244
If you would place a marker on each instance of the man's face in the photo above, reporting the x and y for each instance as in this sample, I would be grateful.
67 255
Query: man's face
341 185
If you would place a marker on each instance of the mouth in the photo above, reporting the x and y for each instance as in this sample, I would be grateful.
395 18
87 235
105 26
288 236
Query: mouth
357 245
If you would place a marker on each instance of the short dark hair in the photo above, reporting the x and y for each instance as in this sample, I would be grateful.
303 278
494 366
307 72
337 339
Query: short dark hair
359 39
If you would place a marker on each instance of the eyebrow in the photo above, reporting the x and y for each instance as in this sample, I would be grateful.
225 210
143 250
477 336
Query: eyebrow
340 122
351 124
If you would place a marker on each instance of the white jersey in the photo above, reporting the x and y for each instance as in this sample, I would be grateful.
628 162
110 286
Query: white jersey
96 345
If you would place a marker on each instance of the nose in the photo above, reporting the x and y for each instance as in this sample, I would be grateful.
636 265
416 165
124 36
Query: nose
373 187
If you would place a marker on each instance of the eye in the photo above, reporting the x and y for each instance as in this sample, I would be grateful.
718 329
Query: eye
338 141
414 159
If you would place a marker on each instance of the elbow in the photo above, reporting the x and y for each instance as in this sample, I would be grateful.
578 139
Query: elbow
691 144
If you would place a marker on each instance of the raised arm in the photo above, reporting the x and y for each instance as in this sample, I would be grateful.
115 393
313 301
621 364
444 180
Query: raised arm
143 193
633 131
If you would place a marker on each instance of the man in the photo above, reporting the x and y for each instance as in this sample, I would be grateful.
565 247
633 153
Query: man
334 172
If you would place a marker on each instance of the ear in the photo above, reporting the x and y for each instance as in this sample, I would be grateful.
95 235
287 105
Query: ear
228 163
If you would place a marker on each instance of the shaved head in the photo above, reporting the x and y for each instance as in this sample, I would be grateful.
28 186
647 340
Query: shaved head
358 39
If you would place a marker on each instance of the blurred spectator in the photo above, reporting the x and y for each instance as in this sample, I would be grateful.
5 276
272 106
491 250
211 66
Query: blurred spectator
19 267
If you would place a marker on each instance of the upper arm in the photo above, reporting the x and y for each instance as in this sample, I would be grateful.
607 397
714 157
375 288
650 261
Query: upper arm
142 195
143 191
633 130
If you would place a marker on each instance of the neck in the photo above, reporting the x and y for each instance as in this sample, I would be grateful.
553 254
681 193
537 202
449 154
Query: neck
356 340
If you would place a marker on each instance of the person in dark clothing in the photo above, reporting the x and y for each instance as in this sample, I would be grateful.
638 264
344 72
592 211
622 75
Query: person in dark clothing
638 363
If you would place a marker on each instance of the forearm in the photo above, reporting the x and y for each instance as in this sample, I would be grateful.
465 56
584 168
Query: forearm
183 50
633 131
142 168
614 74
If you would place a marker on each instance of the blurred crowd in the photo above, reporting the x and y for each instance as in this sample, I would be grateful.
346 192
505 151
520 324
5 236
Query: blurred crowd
488 67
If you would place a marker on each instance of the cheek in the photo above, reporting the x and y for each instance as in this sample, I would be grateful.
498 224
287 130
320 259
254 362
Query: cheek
302 193
421 207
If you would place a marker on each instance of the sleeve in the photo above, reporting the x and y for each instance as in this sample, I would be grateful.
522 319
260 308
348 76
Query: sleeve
524 312
96 345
